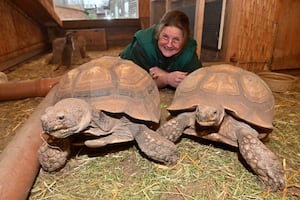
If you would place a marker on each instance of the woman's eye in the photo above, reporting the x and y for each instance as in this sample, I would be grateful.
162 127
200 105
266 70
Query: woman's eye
165 37
176 40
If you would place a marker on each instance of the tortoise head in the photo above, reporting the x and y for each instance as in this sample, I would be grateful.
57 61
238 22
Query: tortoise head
209 115
66 117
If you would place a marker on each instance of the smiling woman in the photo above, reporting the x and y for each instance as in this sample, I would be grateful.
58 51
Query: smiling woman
165 50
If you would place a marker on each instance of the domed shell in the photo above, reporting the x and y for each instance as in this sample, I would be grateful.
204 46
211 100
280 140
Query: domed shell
242 92
114 85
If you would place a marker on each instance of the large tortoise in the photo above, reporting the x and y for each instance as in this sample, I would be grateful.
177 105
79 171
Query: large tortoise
110 98
230 105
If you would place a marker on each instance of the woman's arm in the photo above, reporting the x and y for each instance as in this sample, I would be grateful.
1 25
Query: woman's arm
136 54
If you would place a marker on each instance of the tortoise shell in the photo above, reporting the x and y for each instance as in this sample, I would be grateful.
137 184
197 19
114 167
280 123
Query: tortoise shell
241 92
114 85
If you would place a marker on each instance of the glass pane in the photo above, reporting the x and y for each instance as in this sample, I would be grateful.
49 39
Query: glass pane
96 9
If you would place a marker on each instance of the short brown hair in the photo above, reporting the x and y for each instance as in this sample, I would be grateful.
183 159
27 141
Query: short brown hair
178 19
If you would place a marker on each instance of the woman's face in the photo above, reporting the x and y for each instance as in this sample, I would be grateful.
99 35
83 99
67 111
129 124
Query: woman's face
170 41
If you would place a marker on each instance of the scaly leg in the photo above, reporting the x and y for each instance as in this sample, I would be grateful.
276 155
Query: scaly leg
262 160
154 145
173 129
53 154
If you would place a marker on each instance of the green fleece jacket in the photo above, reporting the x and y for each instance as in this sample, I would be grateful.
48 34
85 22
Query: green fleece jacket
143 51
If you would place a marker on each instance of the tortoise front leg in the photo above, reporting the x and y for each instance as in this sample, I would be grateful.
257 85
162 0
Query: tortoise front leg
262 160
53 154
173 129
154 145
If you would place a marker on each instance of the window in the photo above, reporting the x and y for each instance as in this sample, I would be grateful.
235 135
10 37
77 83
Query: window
96 9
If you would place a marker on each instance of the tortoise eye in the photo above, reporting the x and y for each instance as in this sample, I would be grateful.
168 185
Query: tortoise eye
61 117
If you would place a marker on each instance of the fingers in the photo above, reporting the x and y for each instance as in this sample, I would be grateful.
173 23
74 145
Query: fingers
173 78
156 72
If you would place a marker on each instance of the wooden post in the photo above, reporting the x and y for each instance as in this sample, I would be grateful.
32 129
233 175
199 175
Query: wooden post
144 13
168 5
199 16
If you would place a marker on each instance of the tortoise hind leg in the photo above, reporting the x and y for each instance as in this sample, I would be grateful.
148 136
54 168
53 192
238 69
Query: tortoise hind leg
154 145
262 160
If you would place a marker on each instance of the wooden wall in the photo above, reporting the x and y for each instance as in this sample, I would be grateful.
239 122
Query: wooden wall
262 35
17 30
23 32
249 33
286 54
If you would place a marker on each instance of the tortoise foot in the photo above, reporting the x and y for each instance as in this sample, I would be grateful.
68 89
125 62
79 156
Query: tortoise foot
53 155
156 146
263 161
173 129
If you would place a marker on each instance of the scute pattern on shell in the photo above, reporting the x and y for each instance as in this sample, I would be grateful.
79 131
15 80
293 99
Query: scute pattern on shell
239 91
114 85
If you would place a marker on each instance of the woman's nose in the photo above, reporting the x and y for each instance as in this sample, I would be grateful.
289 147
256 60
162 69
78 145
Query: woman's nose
170 43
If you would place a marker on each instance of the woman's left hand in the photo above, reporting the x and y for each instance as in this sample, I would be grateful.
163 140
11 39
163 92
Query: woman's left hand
163 78
175 78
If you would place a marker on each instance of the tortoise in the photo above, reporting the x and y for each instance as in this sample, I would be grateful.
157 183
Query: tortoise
230 105
109 98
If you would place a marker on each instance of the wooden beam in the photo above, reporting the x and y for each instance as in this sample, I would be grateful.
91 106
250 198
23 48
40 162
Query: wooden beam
100 23
199 16
42 11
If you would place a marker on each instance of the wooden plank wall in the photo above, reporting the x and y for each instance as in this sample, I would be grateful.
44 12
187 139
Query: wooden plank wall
286 53
21 37
41 11
249 34
262 35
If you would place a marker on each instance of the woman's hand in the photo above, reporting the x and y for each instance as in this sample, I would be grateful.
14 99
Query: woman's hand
163 78
175 78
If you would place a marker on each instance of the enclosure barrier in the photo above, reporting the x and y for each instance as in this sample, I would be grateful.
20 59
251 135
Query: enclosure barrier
18 162
27 88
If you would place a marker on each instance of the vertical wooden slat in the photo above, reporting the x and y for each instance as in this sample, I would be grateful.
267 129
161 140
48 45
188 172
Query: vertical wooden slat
144 13
168 5
199 16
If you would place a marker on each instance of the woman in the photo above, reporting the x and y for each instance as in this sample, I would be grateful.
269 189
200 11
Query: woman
165 50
